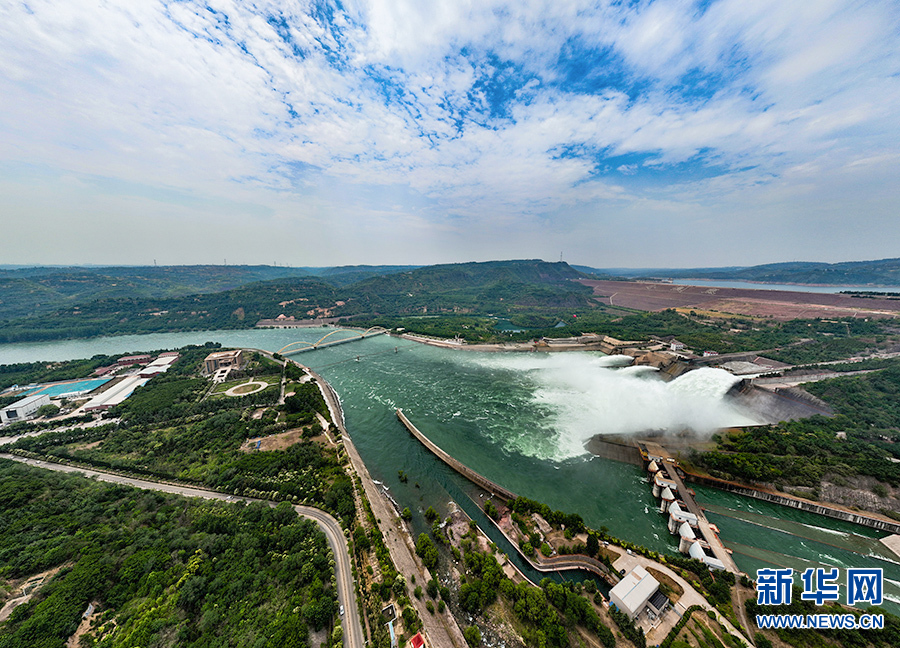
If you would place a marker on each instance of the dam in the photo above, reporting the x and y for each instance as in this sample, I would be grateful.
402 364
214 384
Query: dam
522 421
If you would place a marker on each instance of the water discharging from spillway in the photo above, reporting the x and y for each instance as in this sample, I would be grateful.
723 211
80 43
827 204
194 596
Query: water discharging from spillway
581 395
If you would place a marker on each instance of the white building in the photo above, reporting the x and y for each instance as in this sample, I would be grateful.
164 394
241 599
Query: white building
632 594
23 409
115 394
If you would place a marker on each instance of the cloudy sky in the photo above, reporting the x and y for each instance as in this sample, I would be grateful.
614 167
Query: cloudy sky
666 133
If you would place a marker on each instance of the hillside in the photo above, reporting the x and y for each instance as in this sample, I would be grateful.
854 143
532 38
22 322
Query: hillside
237 308
32 291
493 287
883 272
474 288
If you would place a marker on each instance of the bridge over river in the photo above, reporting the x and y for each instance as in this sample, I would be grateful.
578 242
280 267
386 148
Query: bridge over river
354 335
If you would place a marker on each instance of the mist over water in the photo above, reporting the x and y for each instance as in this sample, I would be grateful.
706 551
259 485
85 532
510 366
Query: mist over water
581 395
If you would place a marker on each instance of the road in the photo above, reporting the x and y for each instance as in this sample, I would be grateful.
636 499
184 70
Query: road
353 634
439 629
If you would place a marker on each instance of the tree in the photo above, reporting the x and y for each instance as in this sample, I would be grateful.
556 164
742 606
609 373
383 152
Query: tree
427 551
48 410
593 545
491 510
472 635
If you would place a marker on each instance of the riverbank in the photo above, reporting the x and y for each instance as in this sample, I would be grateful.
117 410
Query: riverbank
442 629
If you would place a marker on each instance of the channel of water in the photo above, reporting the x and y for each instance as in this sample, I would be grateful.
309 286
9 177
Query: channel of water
521 420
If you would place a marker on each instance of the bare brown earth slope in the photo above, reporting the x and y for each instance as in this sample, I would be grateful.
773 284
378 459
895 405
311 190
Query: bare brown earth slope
778 304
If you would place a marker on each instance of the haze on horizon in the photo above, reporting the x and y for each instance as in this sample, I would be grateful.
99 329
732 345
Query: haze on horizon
314 133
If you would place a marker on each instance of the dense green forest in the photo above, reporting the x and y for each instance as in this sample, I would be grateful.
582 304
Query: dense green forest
867 413
163 570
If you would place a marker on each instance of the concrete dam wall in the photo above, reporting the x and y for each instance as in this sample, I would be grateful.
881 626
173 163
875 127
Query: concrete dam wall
774 406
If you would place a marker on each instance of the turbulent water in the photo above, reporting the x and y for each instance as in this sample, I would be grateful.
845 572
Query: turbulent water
575 396
522 420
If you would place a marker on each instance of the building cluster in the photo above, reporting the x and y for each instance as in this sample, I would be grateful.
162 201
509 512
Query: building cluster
123 388
682 523
114 384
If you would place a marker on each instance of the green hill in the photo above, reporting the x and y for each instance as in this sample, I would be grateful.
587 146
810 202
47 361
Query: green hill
32 291
492 286
97 307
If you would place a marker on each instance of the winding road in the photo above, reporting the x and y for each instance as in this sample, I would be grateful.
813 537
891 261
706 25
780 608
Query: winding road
346 590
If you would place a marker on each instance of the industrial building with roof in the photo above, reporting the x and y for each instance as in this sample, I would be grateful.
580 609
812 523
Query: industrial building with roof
23 409
123 389
637 591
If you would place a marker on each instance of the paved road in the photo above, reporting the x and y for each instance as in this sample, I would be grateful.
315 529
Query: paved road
353 634
440 629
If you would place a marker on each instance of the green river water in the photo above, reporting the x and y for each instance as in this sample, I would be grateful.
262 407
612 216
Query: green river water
521 420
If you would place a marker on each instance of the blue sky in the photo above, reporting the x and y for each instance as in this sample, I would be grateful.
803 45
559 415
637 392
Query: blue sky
666 133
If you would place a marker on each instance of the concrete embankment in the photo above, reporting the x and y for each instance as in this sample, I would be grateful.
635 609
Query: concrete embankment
612 448
547 565
797 503
771 405
462 469
441 630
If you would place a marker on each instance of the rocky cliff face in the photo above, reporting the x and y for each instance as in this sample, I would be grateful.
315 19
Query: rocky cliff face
864 493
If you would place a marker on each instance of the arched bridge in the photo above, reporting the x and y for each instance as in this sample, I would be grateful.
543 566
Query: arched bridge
298 347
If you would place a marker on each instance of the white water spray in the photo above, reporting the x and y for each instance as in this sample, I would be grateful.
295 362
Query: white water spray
584 395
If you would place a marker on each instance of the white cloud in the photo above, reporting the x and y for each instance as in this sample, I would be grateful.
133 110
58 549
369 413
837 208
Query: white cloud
268 103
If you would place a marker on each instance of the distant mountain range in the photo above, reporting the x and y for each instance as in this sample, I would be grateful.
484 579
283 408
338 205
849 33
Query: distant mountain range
51 303
54 302
26 291
884 272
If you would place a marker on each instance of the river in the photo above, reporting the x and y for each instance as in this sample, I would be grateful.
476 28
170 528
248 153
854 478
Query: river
521 420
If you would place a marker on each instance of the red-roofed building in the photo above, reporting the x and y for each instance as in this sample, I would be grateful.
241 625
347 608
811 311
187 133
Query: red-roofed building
417 641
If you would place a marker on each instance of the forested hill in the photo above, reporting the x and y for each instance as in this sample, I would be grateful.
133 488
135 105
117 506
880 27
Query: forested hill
457 276
489 287
884 272
501 287
346 275
37 290
32 291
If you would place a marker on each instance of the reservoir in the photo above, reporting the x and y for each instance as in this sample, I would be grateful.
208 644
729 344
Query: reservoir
521 421
751 285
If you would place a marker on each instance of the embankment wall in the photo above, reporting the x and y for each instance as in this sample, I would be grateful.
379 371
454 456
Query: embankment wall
803 505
